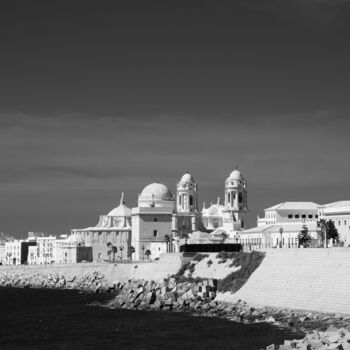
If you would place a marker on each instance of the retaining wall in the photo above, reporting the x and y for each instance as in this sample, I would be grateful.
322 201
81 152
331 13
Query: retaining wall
168 264
302 279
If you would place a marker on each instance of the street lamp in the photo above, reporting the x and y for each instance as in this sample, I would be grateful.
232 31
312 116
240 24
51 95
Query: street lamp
121 247
143 251
281 232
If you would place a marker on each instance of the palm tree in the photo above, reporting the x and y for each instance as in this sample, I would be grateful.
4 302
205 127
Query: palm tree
131 251
304 237
147 253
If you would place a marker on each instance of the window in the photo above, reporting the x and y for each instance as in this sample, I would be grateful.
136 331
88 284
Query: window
290 216
316 216
339 223
191 200
344 222
297 216
303 216
242 224
179 200
240 198
309 216
155 233
155 219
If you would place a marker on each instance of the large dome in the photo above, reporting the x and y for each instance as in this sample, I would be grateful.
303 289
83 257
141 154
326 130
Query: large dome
235 175
156 192
187 178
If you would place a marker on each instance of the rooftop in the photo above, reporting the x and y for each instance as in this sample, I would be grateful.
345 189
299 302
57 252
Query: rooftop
294 206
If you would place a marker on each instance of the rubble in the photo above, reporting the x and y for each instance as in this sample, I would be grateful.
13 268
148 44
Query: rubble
91 282
332 338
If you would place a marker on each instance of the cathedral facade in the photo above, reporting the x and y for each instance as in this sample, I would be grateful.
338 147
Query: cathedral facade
161 220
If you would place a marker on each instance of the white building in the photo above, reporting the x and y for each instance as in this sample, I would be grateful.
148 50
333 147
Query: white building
290 212
2 254
112 229
32 255
339 213
45 249
66 249
152 221
281 226
13 252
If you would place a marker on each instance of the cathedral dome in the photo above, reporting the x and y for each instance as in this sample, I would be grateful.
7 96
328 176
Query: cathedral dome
235 175
187 178
156 192
121 209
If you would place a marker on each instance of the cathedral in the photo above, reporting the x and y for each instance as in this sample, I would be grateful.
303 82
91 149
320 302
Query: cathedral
161 222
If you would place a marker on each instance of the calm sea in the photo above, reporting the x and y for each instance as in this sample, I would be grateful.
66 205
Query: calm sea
62 319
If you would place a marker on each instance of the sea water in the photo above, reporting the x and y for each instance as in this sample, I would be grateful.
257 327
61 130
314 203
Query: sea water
69 319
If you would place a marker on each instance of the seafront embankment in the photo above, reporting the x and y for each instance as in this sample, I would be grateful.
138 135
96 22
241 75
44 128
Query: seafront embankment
158 270
312 280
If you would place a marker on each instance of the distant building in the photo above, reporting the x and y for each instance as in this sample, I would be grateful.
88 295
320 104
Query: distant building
2 254
281 226
339 213
13 252
113 229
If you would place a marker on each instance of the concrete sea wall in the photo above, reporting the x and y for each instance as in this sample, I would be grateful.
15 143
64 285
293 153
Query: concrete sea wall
300 279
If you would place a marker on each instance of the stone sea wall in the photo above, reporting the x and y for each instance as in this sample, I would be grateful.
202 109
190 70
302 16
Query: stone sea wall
89 281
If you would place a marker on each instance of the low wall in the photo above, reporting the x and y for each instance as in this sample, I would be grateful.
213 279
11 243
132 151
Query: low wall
301 279
168 264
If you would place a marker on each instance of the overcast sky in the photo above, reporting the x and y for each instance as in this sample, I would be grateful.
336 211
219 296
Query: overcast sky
100 97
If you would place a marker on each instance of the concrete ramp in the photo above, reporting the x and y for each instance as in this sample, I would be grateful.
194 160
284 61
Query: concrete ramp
303 279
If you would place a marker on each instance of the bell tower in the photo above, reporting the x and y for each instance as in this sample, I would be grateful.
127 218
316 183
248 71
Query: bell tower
236 203
187 195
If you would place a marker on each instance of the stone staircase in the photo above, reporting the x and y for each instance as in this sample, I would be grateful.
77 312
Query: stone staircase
302 279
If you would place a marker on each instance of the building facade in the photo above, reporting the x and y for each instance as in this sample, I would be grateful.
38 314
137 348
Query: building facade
280 226
112 230
152 221
339 213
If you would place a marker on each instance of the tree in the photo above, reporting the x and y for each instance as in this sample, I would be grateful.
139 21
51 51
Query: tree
304 237
114 251
131 251
331 231
147 253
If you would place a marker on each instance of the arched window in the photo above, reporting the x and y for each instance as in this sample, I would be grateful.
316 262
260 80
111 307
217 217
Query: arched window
240 197
229 198
180 200
191 200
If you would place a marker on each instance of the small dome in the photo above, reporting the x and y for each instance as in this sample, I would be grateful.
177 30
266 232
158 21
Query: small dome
235 175
187 178
157 192
216 210
121 210
76 239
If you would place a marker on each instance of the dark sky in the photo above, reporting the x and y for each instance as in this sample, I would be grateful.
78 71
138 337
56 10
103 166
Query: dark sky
99 97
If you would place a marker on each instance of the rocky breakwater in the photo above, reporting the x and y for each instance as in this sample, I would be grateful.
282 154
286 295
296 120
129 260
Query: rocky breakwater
332 338
198 297
91 282
166 295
